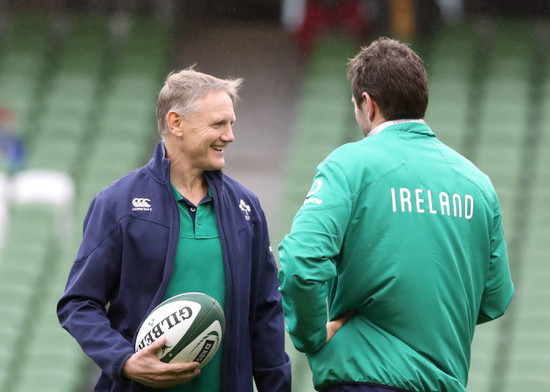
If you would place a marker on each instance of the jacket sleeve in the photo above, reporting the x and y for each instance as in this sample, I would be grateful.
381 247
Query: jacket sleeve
271 364
499 288
307 257
91 283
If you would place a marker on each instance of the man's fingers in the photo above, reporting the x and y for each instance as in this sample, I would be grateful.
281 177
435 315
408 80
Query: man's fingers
334 325
157 344
154 347
346 316
182 367
176 367
146 368
342 319
180 372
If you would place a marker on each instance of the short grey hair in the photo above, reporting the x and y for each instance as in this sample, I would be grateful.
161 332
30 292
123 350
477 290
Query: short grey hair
182 90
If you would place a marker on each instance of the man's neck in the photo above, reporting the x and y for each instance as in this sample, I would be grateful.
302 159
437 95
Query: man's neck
189 181
192 187
383 125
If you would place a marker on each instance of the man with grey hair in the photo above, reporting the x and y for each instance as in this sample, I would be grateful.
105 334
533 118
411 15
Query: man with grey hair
195 230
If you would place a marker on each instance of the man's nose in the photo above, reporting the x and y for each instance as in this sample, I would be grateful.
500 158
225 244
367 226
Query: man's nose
227 135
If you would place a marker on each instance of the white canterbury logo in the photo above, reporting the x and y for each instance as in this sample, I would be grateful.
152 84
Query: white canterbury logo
141 204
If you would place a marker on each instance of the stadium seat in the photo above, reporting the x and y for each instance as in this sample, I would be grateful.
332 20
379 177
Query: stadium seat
50 188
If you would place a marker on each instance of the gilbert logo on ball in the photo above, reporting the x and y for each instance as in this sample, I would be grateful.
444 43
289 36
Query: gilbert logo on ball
193 323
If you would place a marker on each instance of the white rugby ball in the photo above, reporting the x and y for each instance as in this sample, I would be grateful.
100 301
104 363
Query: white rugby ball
193 323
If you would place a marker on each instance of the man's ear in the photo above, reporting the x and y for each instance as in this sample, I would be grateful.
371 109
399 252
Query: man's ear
175 123
370 105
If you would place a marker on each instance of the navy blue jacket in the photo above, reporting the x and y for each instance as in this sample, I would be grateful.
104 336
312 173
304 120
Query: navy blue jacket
124 265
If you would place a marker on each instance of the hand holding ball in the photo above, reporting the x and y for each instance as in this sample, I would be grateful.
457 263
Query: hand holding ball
193 324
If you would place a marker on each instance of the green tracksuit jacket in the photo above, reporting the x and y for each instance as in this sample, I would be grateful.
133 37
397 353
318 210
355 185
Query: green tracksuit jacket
407 233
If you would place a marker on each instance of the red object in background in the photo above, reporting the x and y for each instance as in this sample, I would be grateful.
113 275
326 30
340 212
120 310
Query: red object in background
320 17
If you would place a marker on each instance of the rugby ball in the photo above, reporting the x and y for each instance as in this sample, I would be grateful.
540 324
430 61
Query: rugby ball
193 323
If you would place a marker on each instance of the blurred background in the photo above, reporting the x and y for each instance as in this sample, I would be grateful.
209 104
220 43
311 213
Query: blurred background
78 87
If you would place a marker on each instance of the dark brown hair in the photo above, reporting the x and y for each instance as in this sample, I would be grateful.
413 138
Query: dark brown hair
393 75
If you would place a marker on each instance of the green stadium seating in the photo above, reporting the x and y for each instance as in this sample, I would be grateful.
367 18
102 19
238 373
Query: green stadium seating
529 358
96 122
23 61
23 263
449 66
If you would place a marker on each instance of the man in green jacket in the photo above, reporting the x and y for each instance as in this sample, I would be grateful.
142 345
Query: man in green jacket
401 237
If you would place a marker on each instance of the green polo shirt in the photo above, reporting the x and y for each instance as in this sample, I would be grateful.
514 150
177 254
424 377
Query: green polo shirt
199 267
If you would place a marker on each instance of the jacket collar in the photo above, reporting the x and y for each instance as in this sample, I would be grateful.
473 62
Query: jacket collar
159 165
414 126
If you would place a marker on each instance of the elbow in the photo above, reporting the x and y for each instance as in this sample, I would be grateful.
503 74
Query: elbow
494 309
307 345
